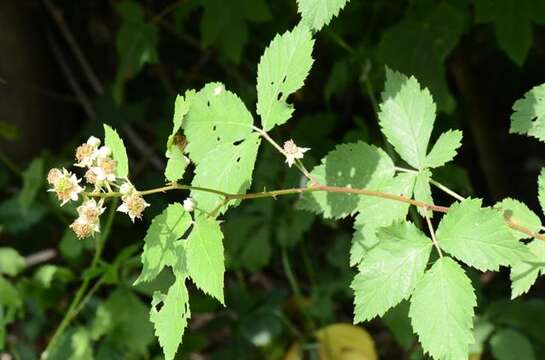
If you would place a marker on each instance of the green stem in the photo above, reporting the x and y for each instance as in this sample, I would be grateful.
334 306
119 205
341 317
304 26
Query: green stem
75 307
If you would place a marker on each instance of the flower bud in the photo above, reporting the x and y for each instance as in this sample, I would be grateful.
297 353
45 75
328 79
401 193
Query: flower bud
189 204
93 141
53 175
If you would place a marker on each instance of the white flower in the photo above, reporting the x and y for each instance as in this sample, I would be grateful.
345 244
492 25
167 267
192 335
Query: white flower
106 169
93 141
126 188
133 205
91 210
103 152
189 204
292 152
66 187
53 175
83 228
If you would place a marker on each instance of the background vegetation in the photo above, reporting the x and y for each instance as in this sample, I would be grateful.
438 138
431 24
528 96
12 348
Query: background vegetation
69 66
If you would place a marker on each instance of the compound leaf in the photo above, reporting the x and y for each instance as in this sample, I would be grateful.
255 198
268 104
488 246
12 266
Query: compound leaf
479 236
119 153
282 70
205 258
317 13
390 271
441 310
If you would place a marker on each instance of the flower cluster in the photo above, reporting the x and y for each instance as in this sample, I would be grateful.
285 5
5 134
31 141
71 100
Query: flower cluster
100 173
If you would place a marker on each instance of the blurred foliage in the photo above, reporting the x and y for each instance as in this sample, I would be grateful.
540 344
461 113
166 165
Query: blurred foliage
288 272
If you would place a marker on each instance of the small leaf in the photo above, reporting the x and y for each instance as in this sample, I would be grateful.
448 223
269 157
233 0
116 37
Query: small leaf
509 344
528 117
33 179
119 153
406 117
442 312
161 246
170 320
519 213
317 13
422 191
390 271
524 274
357 165
282 70
11 262
479 236
444 149
205 258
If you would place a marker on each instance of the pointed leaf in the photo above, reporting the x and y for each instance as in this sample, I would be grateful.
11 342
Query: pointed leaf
170 320
356 165
406 117
528 117
317 13
119 153
525 273
519 213
282 70
161 246
205 259
390 271
444 149
442 312
479 236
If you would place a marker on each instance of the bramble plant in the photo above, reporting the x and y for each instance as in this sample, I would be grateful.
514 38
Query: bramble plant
396 260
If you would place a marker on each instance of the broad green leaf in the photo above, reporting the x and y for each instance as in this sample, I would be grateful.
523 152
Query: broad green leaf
205 259
524 274
119 153
541 189
177 162
508 344
519 213
218 128
444 149
479 236
317 13
170 320
225 24
9 295
11 262
390 271
442 312
82 347
161 245
406 117
136 42
357 165
513 24
282 70
33 179
422 191
375 212
425 37
528 117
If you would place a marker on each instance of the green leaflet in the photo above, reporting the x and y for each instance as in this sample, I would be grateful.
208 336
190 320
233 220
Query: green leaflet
119 153
205 259
161 245
225 24
177 162
136 43
524 274
170 320
513 23
282 70
374 212
390 271
11 262
356 165
509 344
425 37
33 179
422 191
445 149
479 236
441 310
528 117
218 128
317 13
521 214
406 117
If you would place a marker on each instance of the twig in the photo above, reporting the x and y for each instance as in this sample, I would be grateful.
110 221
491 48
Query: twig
432 233
40 257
